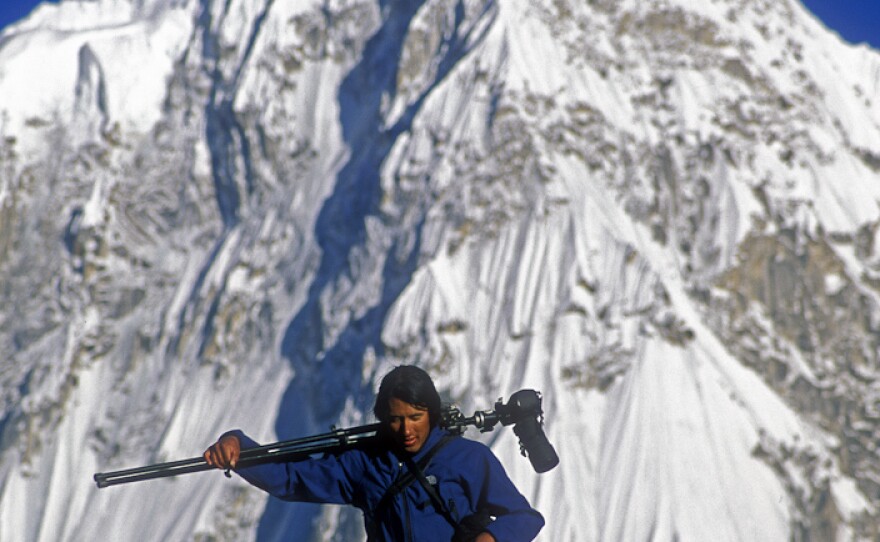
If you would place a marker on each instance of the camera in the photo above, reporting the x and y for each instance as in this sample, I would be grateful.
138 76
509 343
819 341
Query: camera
524 412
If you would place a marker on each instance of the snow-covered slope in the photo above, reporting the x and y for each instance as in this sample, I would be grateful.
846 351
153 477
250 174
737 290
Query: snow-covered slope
663 215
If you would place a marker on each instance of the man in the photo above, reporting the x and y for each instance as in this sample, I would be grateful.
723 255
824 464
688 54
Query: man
457 488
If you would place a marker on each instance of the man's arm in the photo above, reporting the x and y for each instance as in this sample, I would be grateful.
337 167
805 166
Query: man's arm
323 480
515 519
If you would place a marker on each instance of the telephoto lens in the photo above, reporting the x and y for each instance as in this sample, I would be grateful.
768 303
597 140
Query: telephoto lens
540 452
524 410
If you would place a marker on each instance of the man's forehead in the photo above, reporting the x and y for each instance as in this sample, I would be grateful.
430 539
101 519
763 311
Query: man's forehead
399 407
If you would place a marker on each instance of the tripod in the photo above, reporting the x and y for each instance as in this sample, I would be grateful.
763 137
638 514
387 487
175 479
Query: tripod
523 410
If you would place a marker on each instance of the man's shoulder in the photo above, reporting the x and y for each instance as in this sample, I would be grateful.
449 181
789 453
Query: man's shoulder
465 446
370 454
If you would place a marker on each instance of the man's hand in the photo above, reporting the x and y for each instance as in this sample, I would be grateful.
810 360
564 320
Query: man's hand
484 537
224 453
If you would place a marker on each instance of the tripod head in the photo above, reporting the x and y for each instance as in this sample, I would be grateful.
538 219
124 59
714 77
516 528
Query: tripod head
524 412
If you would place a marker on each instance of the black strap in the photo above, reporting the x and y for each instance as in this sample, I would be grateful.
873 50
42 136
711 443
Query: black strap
432 492
407 478
467 529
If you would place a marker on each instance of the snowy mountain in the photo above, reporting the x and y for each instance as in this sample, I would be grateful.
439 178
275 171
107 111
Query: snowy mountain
661 214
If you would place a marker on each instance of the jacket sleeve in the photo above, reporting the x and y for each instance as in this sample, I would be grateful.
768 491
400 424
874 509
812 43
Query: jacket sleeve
515 519
326 479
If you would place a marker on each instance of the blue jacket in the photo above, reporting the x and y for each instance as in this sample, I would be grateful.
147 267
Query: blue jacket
468 474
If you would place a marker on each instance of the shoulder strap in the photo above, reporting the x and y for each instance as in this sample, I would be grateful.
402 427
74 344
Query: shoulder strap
407 478
432 493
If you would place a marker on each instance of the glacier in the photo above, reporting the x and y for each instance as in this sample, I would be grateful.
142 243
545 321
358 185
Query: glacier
242 214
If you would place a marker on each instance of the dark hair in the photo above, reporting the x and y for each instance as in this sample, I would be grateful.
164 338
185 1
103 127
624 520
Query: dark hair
411 385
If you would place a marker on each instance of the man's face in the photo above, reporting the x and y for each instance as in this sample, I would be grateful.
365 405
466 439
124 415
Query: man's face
409 424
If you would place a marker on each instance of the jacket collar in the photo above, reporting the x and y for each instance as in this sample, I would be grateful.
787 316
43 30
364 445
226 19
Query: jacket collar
433 438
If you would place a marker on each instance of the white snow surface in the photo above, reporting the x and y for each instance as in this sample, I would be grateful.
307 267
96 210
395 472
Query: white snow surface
290 197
